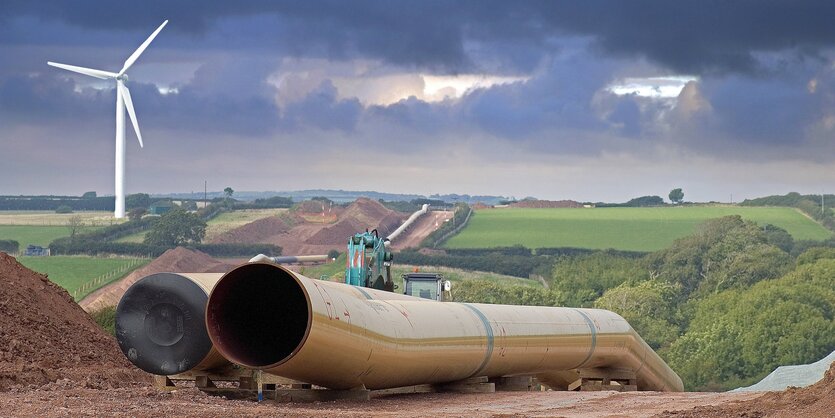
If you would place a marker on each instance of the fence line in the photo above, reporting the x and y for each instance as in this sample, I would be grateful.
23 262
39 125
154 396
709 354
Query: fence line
107 277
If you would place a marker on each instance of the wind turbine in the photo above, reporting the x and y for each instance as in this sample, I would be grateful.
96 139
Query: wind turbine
123 101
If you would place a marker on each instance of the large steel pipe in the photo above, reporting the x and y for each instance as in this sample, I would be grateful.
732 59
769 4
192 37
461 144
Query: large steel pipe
160 323
339 336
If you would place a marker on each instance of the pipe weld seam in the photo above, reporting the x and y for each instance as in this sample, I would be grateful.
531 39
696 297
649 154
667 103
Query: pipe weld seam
490 339
593 338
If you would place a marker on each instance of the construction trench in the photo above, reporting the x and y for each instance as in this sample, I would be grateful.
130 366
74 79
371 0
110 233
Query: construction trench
293 338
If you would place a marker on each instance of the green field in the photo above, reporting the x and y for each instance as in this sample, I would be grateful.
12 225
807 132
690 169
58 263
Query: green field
634 229
81 275
36 235
42 227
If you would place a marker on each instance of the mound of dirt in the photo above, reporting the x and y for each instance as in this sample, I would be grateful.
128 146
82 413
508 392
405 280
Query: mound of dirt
45 336
363 213
817 400
254 232
315 207
543 204
176 260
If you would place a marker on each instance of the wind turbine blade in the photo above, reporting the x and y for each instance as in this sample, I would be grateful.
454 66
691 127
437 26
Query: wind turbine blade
104 75
131 59
129 105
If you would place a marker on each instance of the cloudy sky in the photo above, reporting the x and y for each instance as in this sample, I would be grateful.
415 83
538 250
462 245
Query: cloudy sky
589 100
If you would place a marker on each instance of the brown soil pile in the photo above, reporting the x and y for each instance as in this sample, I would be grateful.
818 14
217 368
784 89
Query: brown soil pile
817 400
254 232
363 213
45 336
314 207
542 204
177 260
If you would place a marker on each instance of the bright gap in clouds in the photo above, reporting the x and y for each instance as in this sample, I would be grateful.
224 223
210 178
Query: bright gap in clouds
437 88
651 87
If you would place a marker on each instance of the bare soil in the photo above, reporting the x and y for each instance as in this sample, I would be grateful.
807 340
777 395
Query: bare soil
192 403
311 236
817 400
258 231
176 260
45 336
425 225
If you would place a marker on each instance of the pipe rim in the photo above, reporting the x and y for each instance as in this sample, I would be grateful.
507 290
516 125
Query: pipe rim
236 271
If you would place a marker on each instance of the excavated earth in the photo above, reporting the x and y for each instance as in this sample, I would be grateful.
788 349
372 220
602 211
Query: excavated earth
56 362
46 337
175 260
301 234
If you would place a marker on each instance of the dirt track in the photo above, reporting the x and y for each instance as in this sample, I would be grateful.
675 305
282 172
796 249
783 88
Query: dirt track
192 403
424 226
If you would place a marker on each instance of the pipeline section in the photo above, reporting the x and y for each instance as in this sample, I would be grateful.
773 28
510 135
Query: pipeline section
411 219
290 259
160 323
339 336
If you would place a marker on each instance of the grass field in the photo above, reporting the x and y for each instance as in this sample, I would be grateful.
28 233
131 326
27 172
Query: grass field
36 235
81 275
224 222
634 229
42 227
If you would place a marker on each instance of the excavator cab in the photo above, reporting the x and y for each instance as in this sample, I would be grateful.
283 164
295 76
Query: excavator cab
427 285
368 262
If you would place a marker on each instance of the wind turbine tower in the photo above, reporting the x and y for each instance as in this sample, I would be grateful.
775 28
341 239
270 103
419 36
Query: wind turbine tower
123 101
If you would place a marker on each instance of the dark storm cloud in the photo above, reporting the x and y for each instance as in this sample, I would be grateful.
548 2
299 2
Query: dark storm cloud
322 109
694 37
220 99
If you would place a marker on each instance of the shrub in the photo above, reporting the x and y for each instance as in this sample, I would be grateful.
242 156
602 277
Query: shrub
9 246
63 209
106 318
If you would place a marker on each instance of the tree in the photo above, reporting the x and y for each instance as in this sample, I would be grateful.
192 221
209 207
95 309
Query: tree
75 224
189 205
736 337
89 195
136 214
228 192
138 200
648 307
676 195
176 227
645 201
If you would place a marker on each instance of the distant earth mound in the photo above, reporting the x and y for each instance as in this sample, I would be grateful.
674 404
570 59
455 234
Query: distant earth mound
308 233
176 260
261 230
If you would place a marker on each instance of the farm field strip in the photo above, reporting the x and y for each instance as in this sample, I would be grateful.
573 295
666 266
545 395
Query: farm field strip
634 229
36 235
46 218
81 275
